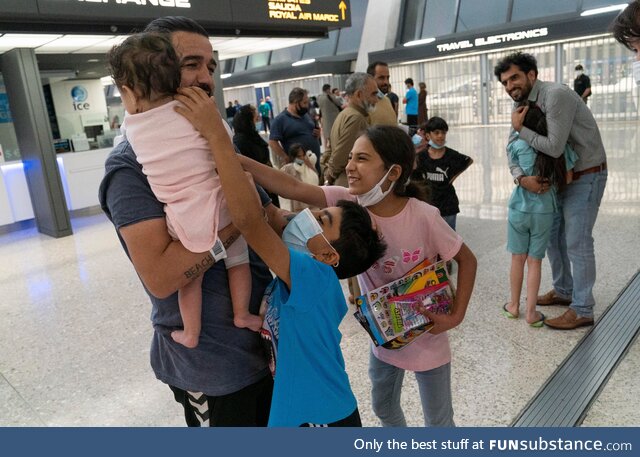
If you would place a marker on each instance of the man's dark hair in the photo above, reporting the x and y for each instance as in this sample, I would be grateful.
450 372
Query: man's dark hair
170 24
525 62
408 81
147 64
626 26
579 67
326 87
545 166
435 123
297 94
359 244
371 69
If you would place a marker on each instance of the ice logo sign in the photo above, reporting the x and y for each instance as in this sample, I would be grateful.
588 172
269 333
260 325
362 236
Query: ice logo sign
79 95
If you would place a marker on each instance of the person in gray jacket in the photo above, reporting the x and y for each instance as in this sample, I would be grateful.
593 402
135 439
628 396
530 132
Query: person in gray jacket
569 120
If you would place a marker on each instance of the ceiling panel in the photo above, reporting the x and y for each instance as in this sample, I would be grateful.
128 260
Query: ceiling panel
85 54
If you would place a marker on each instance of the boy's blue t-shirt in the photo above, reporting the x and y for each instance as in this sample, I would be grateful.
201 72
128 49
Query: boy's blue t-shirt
310 384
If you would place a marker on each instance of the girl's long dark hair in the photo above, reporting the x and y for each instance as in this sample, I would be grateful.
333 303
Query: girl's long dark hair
243 122
554 169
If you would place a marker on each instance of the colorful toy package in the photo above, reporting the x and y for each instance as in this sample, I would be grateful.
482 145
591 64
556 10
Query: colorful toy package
391 313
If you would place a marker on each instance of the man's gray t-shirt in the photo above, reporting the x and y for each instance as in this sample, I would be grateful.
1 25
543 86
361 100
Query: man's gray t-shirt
227 358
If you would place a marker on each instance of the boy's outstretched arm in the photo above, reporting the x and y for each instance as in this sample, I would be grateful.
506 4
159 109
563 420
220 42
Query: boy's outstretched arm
244 207
283 184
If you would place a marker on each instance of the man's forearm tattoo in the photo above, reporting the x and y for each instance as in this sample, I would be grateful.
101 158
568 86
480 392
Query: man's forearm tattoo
199 268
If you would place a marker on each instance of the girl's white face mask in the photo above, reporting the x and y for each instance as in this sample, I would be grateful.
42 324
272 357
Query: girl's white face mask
376 194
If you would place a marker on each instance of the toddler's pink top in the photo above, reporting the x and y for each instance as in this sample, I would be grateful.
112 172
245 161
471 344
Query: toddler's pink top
416 233
181 171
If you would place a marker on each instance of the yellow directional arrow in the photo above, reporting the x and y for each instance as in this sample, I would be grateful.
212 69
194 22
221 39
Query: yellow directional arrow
343 8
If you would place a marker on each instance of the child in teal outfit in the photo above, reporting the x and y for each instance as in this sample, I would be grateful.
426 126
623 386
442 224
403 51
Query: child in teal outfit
531 216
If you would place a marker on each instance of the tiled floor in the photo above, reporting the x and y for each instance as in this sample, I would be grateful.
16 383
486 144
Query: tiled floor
75 332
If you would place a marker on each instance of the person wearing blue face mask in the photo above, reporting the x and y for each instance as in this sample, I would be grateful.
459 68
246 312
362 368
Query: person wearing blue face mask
439 166
305 302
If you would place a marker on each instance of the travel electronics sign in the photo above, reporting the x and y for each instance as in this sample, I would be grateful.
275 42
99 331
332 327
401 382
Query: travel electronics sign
503 38
237 16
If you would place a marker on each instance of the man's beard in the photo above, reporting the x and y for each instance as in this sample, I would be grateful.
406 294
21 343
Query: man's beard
368 107
524 93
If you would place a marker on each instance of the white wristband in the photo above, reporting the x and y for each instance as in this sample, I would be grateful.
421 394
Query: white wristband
218 251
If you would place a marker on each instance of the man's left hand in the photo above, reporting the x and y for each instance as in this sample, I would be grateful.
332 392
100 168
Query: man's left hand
517 117
316 133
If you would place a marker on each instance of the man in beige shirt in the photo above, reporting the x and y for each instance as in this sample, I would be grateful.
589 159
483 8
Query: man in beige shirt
384 114
362 94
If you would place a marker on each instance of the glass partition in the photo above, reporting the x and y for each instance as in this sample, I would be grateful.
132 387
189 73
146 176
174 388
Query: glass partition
608 65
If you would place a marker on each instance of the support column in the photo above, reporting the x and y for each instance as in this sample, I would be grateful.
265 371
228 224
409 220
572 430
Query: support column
379 30
31 122
218 92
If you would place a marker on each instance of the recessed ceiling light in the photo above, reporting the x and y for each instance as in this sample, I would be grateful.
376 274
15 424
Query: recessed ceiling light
419 42
302 62
606 9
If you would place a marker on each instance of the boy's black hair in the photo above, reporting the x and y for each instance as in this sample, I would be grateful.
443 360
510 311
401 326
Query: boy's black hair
147 64
435 123
408 81
545 166
293 150
359 244
626 26
170 24
525 62
326 87
394 146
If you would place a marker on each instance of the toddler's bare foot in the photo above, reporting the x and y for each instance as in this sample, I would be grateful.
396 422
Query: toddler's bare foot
250 321
188 340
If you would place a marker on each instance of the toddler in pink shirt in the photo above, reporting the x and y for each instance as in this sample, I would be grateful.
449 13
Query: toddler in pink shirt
181 171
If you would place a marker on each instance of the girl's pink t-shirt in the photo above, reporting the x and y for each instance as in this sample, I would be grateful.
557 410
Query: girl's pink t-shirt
416 233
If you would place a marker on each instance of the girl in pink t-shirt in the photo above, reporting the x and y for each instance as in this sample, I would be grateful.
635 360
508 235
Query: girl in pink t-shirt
378 172
181 171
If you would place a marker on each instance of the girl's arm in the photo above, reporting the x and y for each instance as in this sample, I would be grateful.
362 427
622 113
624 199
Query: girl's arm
467 265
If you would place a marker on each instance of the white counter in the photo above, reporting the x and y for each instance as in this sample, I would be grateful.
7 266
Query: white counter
81 173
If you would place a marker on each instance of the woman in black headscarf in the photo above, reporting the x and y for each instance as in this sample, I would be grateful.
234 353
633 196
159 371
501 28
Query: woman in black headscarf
249 142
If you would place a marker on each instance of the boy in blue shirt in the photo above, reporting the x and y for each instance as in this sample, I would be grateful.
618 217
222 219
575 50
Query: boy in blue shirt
306 302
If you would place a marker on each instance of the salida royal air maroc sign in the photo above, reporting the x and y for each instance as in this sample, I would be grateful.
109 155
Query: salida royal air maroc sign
295 15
